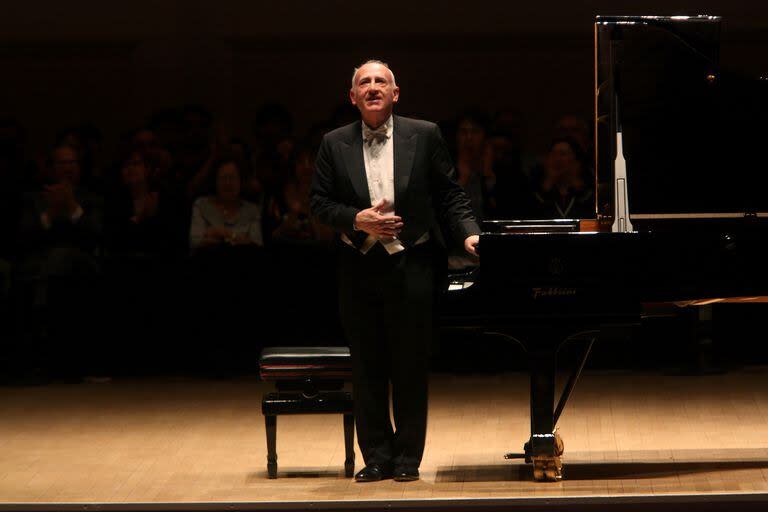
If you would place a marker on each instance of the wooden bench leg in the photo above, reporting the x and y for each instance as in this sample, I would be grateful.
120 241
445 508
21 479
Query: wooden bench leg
271 425
349 445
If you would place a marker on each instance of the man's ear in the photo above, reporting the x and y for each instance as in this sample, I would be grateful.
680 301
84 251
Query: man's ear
352 97
395 94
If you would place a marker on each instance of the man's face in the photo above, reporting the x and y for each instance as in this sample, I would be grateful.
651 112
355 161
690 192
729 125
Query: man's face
470 137
304 167
561 162
145 139
373 90
134 171
66 166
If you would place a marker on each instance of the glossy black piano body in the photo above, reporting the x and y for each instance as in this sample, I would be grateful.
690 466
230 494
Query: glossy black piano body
541 283
543 289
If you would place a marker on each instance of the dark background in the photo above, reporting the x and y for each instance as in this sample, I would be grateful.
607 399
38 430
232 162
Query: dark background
114 63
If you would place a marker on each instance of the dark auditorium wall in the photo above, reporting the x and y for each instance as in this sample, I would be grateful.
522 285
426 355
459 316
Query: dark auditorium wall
113 62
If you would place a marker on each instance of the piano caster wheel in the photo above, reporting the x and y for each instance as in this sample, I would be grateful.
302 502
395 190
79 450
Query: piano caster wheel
547 469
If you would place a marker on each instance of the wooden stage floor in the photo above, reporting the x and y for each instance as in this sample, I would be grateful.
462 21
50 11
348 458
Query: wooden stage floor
177 441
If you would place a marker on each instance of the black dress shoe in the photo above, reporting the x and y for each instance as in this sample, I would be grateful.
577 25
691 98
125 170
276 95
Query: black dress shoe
373 473
405 474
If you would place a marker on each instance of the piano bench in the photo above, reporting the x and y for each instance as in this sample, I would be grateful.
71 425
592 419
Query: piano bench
308 380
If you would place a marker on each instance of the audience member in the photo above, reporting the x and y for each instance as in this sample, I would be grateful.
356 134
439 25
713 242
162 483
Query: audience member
185 185
272 123
228 266
62 230
11 184
577 129
87 141
200 182
225 218
192 149
140 216
473 163
273 146
11 168
295 221
64 219
167 129
474 159
564 184
513 194
147 142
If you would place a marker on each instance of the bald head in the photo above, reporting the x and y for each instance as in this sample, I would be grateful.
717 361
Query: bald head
375 63
374 92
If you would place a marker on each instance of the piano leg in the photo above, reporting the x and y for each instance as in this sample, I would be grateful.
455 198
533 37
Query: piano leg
545 447
566 394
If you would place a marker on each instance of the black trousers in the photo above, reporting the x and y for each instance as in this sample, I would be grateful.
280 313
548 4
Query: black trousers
386 304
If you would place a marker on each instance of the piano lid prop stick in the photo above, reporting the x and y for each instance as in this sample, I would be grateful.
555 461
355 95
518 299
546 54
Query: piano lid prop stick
621 222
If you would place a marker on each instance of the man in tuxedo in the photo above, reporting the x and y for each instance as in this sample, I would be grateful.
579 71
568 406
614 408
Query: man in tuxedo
387 185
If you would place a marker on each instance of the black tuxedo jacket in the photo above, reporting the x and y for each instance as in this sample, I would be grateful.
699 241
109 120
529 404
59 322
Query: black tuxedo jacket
426 191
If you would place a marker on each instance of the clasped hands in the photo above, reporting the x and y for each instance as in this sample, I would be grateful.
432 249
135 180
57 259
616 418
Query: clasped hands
379 220
60 199
220 235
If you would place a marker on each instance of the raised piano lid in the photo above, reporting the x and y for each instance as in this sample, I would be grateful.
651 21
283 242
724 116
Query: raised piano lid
692 131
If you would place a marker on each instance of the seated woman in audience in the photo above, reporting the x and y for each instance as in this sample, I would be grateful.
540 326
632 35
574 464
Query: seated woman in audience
227 265
564 185
225 219
292 210
139 216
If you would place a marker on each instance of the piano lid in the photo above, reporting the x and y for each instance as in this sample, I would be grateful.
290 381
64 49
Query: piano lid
692 132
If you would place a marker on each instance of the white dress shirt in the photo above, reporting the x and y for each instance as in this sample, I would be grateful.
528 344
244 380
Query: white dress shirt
378 157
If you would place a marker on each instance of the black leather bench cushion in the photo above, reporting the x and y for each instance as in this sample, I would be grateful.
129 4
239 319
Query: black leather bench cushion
292 363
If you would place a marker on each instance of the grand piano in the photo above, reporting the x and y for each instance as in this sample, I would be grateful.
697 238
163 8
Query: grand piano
681 213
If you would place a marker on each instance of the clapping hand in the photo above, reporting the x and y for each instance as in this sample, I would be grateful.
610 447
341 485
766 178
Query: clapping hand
54 199
60 199
149 209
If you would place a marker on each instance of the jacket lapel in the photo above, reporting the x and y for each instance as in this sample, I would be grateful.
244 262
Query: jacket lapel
403 153
353 159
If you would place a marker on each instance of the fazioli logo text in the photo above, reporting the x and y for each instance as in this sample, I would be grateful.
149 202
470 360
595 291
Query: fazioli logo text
553 292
